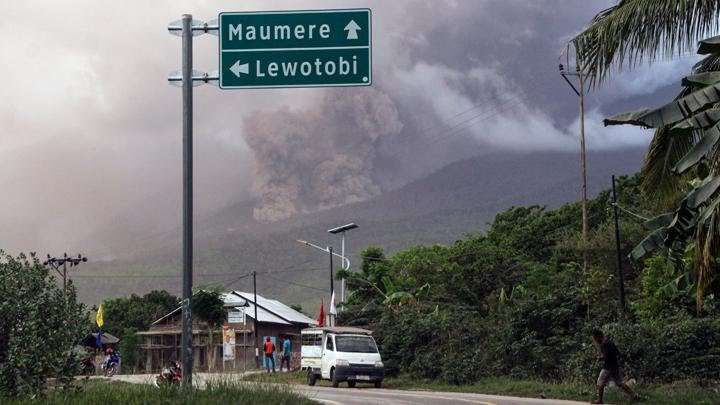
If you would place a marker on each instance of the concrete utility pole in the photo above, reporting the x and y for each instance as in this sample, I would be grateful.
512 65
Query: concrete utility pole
583 168
55 264
583 156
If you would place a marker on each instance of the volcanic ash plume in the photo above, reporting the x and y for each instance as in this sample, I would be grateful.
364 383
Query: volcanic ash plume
319 157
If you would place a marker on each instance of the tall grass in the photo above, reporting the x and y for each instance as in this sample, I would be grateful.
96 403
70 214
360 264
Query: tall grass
214 392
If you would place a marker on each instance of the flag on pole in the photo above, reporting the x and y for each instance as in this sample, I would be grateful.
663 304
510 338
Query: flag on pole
99 317
333 309
321 315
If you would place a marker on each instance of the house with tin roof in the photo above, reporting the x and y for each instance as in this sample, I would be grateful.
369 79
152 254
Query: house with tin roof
160 344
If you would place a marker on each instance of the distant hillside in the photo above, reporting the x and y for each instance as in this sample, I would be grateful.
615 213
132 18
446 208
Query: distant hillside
458 199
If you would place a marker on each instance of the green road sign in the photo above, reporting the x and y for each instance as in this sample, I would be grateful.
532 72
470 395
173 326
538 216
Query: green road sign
315 48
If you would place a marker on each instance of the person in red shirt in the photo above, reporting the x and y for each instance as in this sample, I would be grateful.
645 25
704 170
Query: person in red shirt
269 350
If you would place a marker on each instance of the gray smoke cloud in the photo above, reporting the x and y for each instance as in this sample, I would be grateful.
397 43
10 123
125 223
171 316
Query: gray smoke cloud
321 156
90 131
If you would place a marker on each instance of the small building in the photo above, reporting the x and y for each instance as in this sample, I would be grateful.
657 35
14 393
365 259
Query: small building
161 342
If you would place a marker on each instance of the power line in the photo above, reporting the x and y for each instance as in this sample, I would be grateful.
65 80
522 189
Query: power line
513 100
168 276
295 284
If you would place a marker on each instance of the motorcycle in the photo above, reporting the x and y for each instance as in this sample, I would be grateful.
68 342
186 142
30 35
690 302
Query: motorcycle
88 366
110 366
171 375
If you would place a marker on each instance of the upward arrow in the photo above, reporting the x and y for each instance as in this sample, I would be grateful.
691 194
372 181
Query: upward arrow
352 28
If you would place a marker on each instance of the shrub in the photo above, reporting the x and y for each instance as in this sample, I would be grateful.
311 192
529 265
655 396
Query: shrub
678 349
128 349
40 327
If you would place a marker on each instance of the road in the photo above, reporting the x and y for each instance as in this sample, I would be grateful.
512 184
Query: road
363 395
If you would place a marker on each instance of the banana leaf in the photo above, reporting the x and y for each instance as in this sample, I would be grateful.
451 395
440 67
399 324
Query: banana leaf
669 113
701 79
702 194
632 118
699 151
653 242
399 297
659 221
709 45
708 211
702 119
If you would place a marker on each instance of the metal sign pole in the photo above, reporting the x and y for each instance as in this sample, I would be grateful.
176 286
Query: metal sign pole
187 95
346 29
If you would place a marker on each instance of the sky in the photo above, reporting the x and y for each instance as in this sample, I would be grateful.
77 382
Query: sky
90 131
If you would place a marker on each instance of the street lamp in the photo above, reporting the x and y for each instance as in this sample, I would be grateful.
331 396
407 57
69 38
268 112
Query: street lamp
341 230
345 261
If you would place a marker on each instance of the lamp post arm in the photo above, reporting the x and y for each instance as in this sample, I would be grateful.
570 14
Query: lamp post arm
345 260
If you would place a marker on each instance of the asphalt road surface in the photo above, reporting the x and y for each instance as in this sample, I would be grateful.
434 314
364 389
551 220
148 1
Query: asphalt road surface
367 395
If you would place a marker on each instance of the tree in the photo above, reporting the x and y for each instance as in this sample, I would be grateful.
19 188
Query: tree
695 223
39 328
137 312
683 156
637 30
208 306
129 342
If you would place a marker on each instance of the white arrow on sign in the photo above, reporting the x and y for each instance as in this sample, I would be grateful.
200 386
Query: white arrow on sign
237 68
352 28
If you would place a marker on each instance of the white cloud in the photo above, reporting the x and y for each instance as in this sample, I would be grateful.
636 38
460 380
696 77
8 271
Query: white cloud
645 79
503 118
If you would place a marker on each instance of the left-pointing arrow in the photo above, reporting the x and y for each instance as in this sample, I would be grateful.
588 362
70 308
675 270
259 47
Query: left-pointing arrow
238 68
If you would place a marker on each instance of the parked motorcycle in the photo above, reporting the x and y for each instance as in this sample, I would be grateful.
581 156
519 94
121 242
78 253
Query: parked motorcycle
170 375
110 366
88 366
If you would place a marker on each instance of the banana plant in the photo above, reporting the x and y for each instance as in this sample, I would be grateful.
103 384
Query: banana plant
693 118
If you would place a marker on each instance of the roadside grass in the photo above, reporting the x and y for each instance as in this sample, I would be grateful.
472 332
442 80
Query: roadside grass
677 393
92 392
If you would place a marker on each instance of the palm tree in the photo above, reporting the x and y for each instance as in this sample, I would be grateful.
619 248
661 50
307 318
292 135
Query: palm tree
682 160
634 31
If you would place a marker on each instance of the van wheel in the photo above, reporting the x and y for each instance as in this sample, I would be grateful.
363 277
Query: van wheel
351 384
333 378
378 384
311 378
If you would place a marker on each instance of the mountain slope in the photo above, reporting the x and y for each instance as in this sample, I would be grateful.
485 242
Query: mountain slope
439 208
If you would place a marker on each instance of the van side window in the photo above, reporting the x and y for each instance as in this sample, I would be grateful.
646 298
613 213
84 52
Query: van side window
329 344
311 339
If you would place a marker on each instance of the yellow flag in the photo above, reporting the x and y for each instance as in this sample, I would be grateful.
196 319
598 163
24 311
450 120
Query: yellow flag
99 317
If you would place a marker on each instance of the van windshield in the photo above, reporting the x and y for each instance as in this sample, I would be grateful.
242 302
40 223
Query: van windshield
355 344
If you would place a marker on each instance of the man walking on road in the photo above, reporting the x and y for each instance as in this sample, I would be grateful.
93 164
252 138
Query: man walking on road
269 350
286 353
611 367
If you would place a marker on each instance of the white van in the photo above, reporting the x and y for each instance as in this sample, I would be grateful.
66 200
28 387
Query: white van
341 354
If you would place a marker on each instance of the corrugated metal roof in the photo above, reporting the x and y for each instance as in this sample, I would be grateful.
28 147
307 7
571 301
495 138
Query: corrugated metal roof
277 308
231 299
263 315
272 311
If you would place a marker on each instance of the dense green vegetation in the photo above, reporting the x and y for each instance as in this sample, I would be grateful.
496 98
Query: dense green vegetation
103 392
515 302
40 324
136 312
